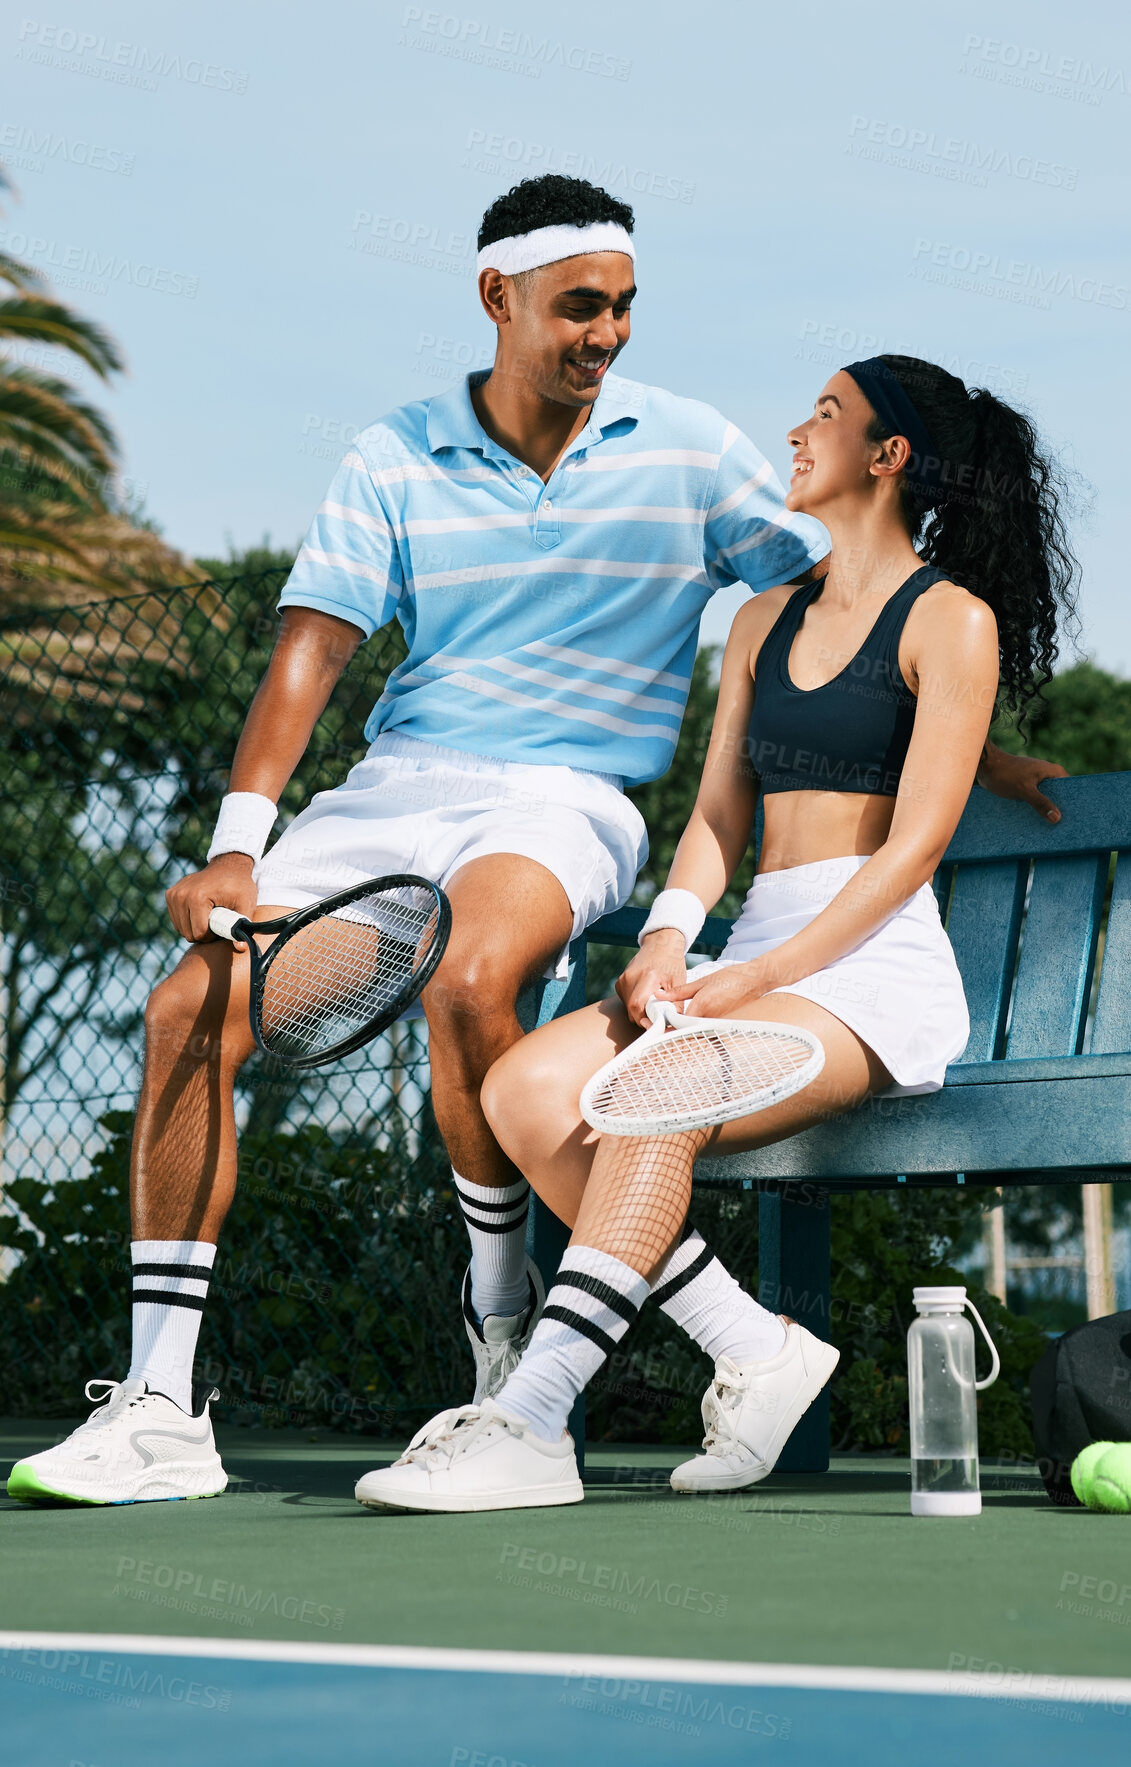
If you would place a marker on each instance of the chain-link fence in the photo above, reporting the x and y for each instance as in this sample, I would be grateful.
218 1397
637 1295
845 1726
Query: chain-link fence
335 1297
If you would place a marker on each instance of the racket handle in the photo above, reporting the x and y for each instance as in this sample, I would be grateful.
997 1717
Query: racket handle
662 1012
223 922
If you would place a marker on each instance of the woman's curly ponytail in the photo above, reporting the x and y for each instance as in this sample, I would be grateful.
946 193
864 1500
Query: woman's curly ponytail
996 527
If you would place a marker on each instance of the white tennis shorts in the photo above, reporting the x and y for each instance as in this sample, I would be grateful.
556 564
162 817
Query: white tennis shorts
413 806
899 991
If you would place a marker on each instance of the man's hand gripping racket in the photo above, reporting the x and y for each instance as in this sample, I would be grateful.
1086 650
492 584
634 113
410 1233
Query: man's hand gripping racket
339 973
686 1073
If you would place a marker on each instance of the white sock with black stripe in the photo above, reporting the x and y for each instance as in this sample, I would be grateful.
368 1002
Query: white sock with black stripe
171 1278
701 1295
594 1300
496 1223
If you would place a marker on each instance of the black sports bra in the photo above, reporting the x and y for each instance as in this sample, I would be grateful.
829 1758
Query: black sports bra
853 733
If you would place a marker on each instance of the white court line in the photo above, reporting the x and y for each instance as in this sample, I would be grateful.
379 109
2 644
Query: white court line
1004 1683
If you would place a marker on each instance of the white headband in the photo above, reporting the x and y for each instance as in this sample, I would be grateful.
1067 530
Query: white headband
548 245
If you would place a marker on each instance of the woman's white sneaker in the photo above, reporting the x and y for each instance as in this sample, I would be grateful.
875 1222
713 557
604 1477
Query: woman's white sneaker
137 1447
475 1458
750 1413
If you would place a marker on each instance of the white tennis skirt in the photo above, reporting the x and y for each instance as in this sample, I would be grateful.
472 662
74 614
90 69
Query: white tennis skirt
899 991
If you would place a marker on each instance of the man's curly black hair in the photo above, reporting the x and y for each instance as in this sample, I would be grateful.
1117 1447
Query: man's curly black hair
551 201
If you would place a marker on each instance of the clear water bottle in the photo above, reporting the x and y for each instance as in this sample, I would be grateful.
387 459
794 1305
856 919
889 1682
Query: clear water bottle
944 1411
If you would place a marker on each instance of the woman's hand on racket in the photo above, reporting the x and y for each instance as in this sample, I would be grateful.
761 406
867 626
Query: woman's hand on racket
725 991
225 883
659 966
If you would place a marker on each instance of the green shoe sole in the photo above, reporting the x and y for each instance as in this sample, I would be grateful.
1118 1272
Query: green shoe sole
26 1487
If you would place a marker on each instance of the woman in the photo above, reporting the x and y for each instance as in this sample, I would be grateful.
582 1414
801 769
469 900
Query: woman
859 705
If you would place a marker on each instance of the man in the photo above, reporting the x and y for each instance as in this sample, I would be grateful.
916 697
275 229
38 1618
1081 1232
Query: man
548 537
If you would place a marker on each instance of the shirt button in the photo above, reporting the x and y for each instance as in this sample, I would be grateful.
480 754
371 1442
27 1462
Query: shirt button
546 503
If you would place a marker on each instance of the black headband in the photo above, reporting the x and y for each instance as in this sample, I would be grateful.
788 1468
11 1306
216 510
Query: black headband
896 411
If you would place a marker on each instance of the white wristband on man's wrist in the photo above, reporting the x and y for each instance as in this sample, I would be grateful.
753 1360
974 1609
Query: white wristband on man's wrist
680 909
246 819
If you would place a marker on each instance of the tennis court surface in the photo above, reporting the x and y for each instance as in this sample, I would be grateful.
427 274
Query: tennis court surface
810 1621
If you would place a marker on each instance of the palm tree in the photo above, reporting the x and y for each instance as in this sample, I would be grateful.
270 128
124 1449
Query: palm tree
91 600
64 533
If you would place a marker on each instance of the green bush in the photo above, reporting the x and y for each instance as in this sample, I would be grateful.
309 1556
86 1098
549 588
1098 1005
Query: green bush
884 1244
335 1298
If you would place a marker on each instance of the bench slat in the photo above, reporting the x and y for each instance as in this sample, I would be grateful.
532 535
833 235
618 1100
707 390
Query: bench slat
1097 815
1038 1067
983 924
623 924
1042 1126
1058 950
1112 1028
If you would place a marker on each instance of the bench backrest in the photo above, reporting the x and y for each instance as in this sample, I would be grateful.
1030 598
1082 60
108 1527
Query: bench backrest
1023 901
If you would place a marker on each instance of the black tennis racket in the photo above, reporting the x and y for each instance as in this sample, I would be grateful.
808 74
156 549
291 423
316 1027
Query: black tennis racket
337 974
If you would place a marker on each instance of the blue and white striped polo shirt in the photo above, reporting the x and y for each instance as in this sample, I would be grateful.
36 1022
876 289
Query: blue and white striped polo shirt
548 623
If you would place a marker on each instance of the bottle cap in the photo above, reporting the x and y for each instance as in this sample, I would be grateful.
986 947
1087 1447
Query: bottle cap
939 1300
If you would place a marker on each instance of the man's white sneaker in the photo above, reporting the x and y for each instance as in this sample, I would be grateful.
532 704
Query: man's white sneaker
751 1412
137 1447
475 1458
498 1343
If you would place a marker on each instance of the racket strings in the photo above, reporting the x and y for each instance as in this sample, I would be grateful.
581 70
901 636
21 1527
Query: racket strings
699 1070
338 974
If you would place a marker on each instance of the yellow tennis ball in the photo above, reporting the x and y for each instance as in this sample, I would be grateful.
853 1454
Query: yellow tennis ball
1083 1467
1111 1480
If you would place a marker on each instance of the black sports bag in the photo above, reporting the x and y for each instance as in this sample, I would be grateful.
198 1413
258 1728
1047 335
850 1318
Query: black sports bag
1081 1391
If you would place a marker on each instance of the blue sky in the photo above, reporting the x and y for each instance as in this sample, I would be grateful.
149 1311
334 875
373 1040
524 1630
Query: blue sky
273 207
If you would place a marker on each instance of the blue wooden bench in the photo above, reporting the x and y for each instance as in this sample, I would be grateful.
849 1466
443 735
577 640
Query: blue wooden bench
1042 1093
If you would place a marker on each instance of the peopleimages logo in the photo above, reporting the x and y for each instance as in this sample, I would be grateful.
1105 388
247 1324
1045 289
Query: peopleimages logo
600 1585
30 149
1040 70
662 1706
411 242
490 151
127 64
184 1585
831 345
503 48
77 266
107 1678
952 156
449 358
1011 279
971 1673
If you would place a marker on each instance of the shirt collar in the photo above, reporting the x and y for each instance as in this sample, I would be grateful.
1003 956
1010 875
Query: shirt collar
452 423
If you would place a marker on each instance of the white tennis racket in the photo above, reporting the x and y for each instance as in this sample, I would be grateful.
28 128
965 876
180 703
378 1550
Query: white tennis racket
684 1073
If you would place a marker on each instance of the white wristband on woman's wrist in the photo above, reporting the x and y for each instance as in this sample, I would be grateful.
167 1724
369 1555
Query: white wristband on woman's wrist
246 819
681 909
